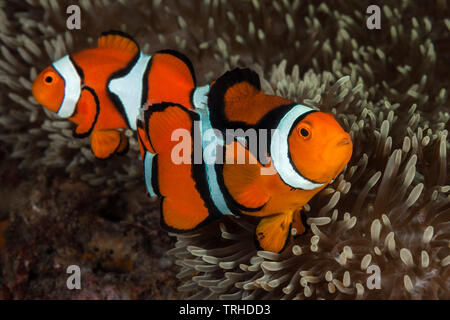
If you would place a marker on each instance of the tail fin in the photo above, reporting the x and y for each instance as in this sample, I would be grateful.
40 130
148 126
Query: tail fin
171 78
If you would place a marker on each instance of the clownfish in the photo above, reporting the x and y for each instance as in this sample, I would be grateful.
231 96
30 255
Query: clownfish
115 86
102 89
306 151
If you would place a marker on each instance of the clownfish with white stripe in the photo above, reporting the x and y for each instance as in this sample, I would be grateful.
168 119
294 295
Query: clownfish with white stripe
307 150
102 90
115 86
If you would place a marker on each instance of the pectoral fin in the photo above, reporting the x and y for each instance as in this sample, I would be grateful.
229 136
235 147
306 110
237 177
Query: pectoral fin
243 178
86 115
105 143
272 233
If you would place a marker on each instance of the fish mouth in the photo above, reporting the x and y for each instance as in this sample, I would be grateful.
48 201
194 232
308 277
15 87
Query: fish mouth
344 141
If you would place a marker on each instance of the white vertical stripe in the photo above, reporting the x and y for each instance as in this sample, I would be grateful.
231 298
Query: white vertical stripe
279 150
148 168
200 97
72 86
210 161
129 89
200 101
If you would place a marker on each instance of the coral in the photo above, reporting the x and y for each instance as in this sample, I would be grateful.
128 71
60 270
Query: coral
390 206
120 256
388 87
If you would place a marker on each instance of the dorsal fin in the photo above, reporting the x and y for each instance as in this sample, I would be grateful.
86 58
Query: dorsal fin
114 39
235 100
220 87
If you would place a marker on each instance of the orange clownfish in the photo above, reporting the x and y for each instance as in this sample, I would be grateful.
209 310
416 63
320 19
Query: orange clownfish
115 86
305 151
102 89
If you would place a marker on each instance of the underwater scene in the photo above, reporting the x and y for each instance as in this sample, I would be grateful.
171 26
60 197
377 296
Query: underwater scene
212 149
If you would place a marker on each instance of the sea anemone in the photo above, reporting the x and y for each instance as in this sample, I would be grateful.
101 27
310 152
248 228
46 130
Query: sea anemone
389 208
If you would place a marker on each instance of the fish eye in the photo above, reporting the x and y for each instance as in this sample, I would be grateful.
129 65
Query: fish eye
305 132
49 78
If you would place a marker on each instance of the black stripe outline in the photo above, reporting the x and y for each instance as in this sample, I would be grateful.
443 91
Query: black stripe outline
140 124
154 173
145 88
141 145
78 68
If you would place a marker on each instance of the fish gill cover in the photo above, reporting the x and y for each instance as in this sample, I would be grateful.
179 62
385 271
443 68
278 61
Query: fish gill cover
389 208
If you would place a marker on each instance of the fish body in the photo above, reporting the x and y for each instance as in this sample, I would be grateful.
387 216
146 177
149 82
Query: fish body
102 89
306 151
191 160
